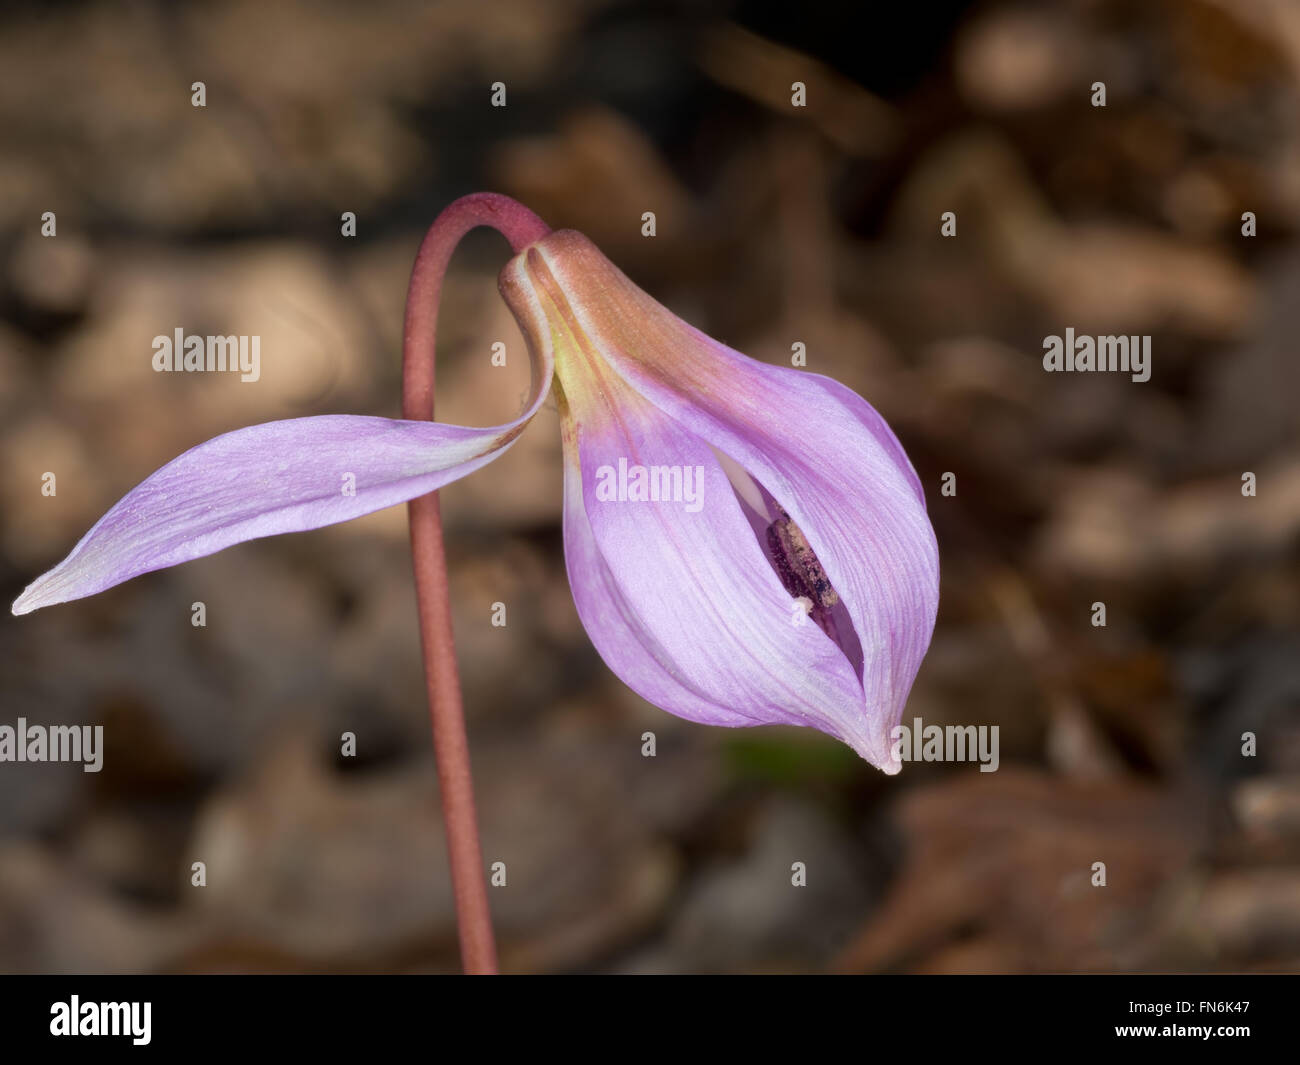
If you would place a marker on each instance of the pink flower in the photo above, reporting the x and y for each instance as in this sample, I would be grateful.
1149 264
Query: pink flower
747 544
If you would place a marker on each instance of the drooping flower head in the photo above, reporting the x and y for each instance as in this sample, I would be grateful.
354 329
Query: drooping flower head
746 544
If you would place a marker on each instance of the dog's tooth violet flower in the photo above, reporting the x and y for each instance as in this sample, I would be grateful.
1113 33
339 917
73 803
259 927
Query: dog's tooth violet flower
746 544
804 589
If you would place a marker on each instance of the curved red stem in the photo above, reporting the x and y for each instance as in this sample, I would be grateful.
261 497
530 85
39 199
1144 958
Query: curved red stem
450 743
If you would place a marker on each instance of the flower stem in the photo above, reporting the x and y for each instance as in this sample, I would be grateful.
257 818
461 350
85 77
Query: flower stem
450 743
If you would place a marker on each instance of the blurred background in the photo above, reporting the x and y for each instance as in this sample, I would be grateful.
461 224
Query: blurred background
775 225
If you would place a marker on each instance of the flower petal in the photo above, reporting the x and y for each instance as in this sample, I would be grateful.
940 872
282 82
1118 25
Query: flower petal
612 623
680 601
278 477
864 517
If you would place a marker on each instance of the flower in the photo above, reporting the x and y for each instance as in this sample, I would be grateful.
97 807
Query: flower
746 544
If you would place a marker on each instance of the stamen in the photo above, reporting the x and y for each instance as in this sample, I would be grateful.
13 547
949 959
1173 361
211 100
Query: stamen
792 558
800 572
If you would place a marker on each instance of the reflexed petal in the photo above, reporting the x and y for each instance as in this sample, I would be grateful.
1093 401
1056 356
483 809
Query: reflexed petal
278 477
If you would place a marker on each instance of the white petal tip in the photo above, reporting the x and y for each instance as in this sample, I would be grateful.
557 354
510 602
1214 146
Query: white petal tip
31 599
